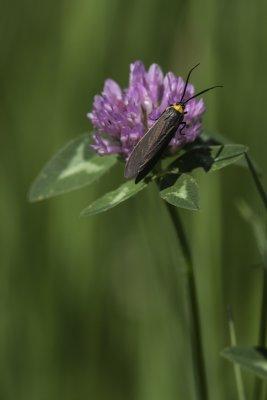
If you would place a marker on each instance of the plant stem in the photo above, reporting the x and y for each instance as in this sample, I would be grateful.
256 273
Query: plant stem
259 384
263 323
257 181
193 308
237 370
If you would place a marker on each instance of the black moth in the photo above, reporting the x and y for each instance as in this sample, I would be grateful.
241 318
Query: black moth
152 145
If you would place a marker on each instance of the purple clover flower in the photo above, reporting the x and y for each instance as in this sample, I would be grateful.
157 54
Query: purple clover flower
121 117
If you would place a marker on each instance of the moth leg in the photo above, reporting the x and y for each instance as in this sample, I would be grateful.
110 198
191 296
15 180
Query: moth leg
183 125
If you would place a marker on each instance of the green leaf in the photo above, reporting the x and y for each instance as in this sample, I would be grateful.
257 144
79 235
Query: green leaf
210 158
253 359
218 139
72 167
226 154
112 199
183 194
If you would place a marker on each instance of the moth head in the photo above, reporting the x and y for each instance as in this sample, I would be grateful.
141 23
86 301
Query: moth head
179 107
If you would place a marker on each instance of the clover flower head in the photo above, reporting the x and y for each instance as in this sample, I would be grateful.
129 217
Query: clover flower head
120 117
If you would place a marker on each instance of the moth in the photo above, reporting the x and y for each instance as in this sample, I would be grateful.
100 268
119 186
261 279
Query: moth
152 145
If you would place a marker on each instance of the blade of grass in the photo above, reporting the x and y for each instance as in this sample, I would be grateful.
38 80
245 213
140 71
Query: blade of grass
237 370
258 228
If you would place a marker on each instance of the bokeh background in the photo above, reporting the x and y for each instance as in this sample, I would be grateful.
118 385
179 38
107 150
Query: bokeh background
94 308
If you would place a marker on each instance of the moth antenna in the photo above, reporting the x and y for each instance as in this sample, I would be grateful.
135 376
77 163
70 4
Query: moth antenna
203 91
187 80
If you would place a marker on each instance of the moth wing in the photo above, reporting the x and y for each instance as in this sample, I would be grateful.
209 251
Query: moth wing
148 144
155 154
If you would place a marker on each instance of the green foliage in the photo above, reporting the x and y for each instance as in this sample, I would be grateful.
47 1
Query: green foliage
208 157
219 139
76 165
183 194
112 199
252 359
227 154
72 167
95 309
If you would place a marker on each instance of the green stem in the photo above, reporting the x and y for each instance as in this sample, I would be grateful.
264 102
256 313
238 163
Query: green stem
193 308
257 181
263 323
259 384
237 370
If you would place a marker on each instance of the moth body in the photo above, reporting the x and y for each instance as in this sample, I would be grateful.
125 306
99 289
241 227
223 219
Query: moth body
152 145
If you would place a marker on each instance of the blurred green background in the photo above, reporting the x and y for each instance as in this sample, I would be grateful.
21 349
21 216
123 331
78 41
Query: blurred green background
94 308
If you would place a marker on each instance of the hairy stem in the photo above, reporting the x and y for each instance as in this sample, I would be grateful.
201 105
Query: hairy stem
193 308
